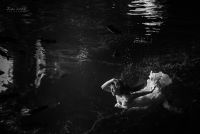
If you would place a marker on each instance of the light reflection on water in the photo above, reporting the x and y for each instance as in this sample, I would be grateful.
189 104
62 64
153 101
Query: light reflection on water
40 63
64 61
151 11
82 55
6 66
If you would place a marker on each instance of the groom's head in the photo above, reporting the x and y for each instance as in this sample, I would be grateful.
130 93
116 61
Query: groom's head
116 87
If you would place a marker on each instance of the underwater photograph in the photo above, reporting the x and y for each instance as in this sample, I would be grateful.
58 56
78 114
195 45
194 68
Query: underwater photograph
99 66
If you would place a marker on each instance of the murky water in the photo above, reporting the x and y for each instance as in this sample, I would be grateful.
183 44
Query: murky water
61 52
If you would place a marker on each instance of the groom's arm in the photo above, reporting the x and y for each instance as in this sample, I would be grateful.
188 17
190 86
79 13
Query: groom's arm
140 93
106 85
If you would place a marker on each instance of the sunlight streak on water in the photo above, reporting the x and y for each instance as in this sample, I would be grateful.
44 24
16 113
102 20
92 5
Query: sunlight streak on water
6 66
149 10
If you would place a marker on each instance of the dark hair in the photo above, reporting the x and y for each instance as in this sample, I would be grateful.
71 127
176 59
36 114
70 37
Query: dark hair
122 87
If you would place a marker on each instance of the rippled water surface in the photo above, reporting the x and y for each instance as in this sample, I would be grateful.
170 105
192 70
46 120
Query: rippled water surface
56 54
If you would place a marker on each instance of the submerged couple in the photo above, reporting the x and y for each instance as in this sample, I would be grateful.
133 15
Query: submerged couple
142 99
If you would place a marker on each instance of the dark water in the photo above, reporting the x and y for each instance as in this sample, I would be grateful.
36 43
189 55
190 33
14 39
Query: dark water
56 54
